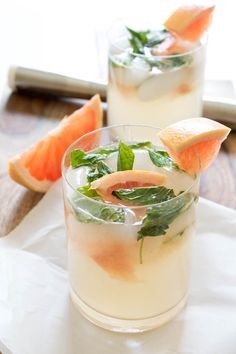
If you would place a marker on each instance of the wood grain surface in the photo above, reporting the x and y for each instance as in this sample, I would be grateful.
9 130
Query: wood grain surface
25 118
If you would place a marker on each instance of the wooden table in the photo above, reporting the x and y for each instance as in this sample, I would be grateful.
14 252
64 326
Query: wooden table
27 118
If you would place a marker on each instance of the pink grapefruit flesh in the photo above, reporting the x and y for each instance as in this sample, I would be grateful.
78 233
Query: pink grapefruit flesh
105 185
40 165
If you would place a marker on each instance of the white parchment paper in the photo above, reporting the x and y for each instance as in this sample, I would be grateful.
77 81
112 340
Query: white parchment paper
37 317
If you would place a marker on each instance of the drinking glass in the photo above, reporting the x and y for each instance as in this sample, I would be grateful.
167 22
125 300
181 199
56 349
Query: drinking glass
157 90
118 280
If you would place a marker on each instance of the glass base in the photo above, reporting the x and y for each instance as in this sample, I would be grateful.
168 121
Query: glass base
126 326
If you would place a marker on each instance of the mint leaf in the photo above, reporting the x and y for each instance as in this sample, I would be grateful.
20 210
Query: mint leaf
91 193
107 151
101 169
88 211
80 158
92 174
138 40
161 158
141 39
125 159
179 60
141 145
159 218
168 63
76 156
149 195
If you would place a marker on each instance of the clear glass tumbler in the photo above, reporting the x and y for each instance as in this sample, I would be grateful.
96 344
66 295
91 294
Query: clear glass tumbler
153 89
121 281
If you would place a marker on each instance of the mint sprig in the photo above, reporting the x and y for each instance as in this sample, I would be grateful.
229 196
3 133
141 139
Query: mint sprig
141 145
144 196
168 63
141 39
88 211
142 42
161 158
159 217
90 193
125 158
99 170
80 158
137 40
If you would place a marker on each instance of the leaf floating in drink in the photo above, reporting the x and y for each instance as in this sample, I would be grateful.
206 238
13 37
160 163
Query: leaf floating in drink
159 218
125 159
161 158
145 196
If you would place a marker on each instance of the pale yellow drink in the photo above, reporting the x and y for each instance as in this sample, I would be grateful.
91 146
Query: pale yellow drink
159 94
114 284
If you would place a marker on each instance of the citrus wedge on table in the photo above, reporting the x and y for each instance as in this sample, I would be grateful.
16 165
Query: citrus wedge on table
107 184
194 142
39 166
189 22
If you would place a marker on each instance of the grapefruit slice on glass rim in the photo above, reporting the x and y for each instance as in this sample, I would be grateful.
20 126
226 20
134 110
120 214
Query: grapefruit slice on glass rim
193 142
186 26
39 166
189 22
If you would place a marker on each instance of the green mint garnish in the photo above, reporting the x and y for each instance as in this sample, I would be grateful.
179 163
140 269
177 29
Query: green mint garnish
141 145
168 63
91 193
161 158
144 196
125 158
138 40
141 43
88 211
101 169
80 158
159 217
141 39
107 151
110 150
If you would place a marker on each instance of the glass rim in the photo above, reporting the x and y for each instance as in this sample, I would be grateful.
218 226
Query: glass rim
120 206
202 43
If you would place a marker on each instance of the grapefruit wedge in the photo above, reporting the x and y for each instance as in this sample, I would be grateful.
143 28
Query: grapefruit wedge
194 142
190 22
39 166
107 184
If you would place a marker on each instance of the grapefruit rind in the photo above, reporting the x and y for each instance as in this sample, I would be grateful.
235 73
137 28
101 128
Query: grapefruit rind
105 185
37 172
22 176
185 133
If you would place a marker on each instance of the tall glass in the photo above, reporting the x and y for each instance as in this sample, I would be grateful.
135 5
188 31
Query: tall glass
158 91
120 281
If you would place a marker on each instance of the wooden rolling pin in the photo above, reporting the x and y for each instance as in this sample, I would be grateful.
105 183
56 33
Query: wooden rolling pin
20 79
